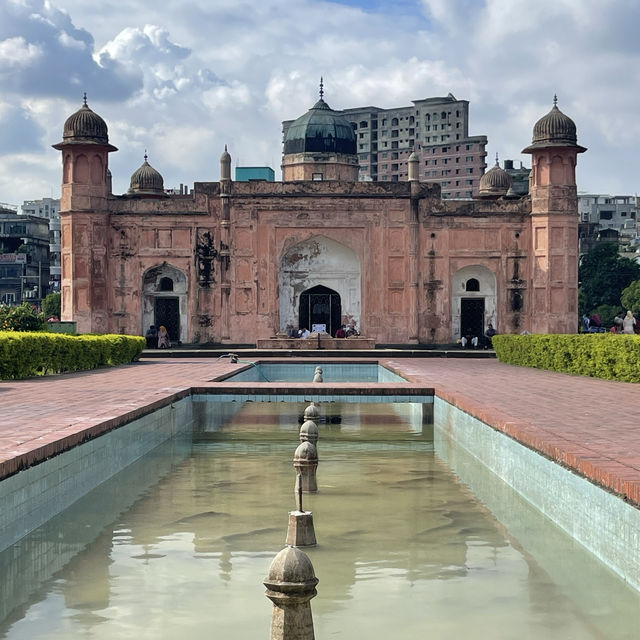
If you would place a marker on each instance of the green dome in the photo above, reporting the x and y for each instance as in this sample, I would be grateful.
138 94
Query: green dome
321 129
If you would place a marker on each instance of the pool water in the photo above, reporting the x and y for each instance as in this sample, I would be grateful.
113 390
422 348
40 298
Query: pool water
178 544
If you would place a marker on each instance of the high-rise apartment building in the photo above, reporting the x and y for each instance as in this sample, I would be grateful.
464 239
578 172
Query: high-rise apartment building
437 129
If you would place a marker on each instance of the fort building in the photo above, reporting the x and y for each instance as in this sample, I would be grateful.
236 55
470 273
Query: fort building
235 262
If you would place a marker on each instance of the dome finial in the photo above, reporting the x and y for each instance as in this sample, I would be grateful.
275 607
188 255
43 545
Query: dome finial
497 161
321 88
84 100
145 155
555 100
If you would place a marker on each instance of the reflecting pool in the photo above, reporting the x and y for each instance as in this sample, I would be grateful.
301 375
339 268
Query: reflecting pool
178 544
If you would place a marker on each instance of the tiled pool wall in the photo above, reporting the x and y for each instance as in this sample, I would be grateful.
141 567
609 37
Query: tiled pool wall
302 372
35 495
36 558
600 521
561 557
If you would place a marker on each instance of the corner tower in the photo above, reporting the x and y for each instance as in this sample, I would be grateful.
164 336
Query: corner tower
83 210
554 223
320 145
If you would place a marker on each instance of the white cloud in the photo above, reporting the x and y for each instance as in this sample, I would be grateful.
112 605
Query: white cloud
17 52
184 78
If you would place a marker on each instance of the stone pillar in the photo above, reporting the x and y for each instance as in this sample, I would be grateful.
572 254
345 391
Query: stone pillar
291 584
309 432
305 460
311 412
301 532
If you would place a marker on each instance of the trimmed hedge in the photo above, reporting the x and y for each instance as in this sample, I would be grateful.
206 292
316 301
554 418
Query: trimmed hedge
26 354
599 355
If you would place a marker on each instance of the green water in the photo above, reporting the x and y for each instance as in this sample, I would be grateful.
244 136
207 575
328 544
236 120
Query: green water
178 546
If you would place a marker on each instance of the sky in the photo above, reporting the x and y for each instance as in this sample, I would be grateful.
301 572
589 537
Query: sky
181 79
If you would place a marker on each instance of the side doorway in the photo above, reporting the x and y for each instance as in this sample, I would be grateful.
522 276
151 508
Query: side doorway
472 317
320 305
167 314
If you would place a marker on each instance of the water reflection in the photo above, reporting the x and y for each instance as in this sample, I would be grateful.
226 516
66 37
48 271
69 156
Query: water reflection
405 548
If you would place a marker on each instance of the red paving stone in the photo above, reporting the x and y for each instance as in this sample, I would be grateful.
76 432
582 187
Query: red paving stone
591 426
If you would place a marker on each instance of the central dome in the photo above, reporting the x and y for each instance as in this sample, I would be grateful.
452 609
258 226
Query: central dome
321 129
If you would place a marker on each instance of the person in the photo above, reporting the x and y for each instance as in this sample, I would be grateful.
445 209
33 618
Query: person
595 321
489 333
152 337
351 331
628 323
163 338
586 323
617 322
304 333
341 333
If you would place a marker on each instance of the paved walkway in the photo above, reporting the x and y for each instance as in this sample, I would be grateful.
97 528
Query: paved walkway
591 426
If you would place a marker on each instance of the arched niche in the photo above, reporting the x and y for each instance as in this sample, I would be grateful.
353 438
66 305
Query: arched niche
319 261
474 306
81 171
166 306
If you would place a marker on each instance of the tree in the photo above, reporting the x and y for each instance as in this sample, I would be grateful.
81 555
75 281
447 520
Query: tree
21 318
51 305
603 275
631 297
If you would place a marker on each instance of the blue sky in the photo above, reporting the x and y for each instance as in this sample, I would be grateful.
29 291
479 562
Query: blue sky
182 79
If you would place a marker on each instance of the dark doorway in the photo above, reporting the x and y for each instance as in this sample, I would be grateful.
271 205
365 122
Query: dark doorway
472 317
320 305
167 313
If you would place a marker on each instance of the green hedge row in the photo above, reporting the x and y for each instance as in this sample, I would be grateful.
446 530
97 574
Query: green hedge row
26 354
599 355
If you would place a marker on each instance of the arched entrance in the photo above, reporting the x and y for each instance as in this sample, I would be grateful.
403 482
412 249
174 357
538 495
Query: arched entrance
320 306
473 301
165 301
319 262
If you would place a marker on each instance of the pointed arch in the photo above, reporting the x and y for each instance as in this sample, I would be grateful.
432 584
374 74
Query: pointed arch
319 260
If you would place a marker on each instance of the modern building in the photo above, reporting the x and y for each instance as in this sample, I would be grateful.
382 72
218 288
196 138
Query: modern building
236 262
49 208
437 129
519 177
607 217
255 174
24 258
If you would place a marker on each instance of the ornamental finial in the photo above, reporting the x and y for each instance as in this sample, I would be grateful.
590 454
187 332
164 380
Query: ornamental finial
84 100
321 88
555 100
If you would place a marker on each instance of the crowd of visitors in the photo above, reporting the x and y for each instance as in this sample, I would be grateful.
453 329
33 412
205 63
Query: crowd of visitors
626 323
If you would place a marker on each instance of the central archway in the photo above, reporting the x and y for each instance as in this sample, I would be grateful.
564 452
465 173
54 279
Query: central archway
319 262
320 306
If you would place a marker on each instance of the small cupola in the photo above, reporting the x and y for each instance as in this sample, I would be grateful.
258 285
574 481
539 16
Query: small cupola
146 181
495 183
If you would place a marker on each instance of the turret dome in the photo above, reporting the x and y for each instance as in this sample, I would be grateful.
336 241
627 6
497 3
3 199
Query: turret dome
321 129
496 182
85 126
146 181
555 129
